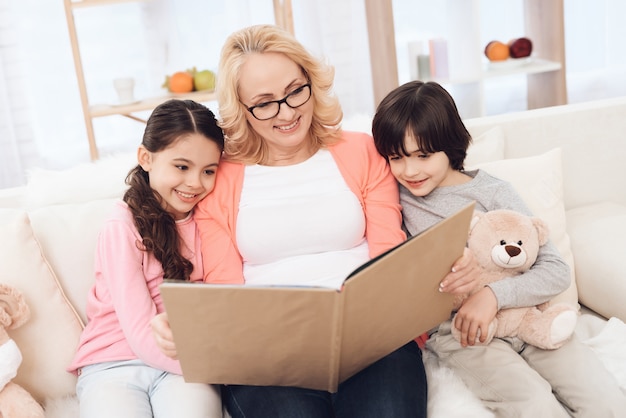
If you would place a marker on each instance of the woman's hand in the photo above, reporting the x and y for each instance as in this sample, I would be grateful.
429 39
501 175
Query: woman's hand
464 277
163 335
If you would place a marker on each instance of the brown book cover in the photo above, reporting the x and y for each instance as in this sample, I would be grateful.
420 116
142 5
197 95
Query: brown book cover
315 337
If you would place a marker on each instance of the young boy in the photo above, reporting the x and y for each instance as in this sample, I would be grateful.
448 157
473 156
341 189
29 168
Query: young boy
418 129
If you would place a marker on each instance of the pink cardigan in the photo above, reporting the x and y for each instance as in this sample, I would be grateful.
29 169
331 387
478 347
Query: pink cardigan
366 173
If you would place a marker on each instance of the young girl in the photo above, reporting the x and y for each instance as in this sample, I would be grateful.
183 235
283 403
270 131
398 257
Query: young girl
418 129
151 235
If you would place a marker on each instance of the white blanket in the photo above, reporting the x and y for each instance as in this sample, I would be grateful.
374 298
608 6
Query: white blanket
448 397
610 346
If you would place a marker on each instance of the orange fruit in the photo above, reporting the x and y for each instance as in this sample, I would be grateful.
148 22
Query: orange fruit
180 82
497 51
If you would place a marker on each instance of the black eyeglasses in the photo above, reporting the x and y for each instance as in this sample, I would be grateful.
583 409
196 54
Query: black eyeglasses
267 110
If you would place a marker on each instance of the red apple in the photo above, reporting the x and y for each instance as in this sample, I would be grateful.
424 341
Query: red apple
520 47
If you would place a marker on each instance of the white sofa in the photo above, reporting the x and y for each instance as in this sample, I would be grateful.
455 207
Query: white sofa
567 162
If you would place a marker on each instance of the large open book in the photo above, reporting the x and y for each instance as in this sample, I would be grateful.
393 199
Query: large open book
315 337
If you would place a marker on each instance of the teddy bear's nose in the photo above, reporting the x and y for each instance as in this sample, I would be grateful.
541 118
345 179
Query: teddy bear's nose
512 250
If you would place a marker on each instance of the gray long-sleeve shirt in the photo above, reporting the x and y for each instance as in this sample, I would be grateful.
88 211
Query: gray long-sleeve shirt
550 274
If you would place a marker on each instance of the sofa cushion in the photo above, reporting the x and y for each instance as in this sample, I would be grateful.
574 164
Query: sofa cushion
49 339
488 146
101 179
597 234
538 179
67 235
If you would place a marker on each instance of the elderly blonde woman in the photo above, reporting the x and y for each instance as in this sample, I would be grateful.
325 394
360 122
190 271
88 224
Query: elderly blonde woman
299 201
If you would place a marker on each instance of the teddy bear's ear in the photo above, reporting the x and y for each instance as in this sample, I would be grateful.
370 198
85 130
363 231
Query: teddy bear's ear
13 308
543 233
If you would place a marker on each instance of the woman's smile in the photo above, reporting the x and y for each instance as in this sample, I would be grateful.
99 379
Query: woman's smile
289 128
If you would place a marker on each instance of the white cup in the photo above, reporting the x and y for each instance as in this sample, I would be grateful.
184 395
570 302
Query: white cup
125 89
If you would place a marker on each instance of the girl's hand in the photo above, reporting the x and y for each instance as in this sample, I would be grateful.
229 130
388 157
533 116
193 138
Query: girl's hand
464 276
163 335
475 315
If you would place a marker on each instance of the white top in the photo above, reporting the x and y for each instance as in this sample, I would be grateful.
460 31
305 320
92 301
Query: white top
300 225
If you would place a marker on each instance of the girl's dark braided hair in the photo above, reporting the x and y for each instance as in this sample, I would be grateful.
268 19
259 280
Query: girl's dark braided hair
167 123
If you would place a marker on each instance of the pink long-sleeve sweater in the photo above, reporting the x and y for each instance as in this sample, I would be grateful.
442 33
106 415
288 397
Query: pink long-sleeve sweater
125 296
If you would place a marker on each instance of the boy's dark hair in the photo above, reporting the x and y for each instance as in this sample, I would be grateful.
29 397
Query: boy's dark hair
427 112
167 123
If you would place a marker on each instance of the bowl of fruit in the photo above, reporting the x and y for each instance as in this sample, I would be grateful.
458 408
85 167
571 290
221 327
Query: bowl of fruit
181 82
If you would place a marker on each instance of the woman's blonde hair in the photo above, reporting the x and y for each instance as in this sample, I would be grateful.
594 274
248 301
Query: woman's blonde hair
242 142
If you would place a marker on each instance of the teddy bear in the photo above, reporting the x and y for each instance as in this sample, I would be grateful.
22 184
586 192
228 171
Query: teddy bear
15 401
506 243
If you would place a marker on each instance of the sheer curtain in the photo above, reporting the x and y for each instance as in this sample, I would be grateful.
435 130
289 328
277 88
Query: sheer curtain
17 150
10 163
596 55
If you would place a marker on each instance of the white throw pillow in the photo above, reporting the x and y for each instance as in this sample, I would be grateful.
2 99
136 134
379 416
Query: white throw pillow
488 146
48 340
68 235
539 181
597 232
101 179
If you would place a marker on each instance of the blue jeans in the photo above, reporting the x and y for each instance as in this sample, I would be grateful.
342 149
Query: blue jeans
393 387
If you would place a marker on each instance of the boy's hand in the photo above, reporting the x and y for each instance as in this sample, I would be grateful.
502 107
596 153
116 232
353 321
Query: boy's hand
476 314
464 275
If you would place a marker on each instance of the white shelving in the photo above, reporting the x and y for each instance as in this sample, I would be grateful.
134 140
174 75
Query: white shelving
147 104
533 66
469 91
469 69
